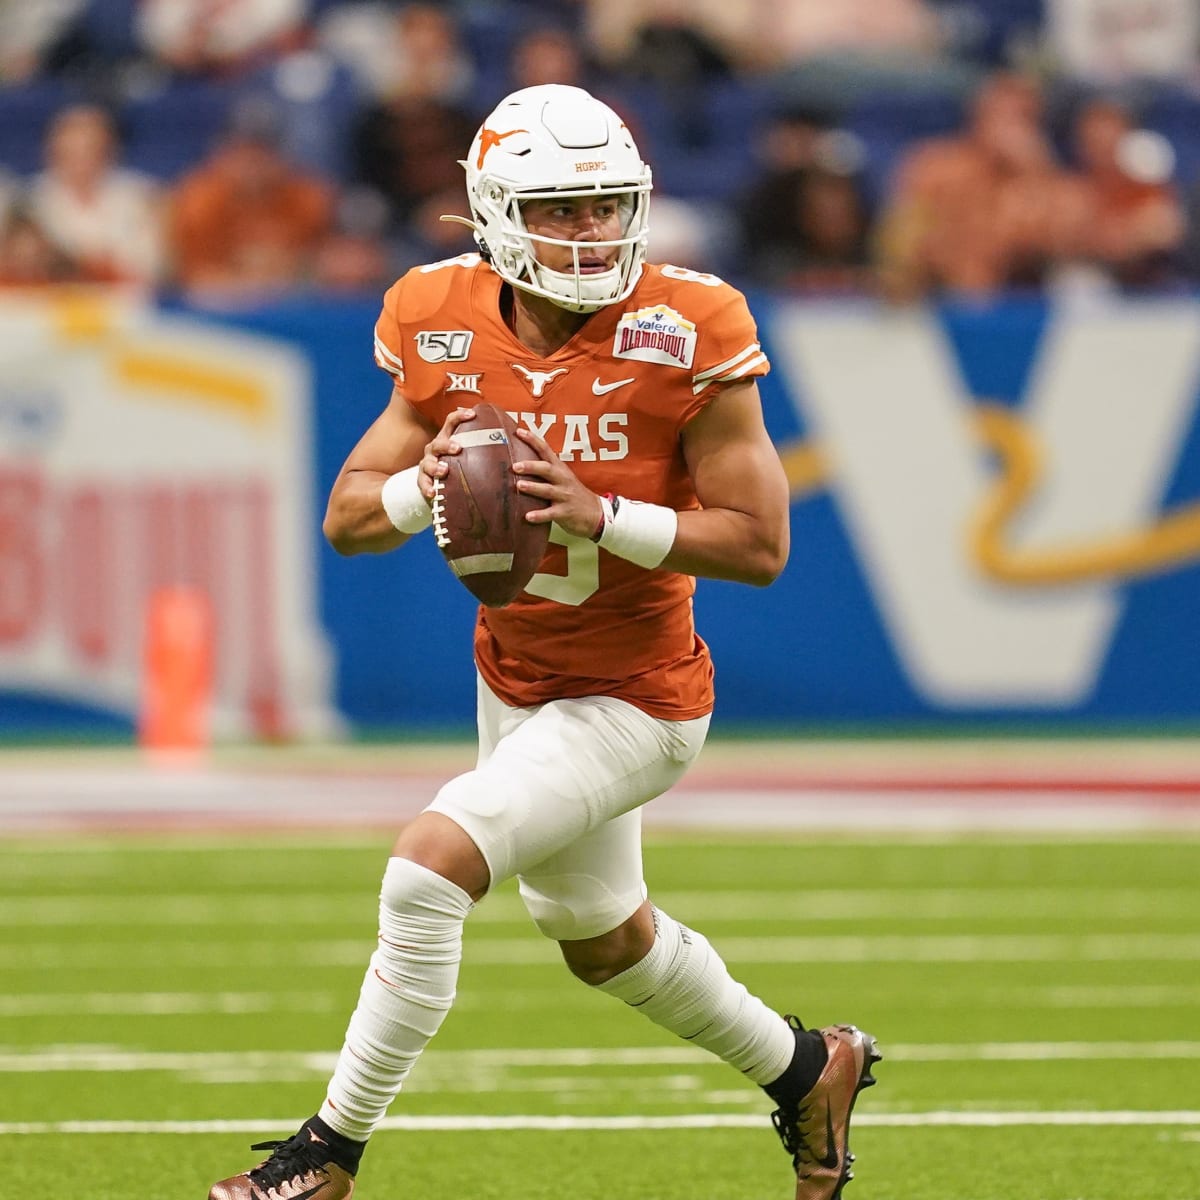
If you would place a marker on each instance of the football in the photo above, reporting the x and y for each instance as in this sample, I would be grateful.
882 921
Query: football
479 516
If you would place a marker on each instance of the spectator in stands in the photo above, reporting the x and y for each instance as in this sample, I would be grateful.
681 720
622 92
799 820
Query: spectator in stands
28 258
403 150
548 54
107 219
764 35
9 192
1189 251
679 90
425 237
246 222
355 256
31 31
676 55
787 143
406 145
803 30
1133 224
1113 42
415 50
199 37
804 221
840 54
991 33
691 234
806 231
982 211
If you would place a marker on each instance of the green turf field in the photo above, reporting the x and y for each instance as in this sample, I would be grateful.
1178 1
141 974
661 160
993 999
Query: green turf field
166 1002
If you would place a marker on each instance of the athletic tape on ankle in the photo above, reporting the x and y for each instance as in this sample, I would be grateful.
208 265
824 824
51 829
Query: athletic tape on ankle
641 533
406 508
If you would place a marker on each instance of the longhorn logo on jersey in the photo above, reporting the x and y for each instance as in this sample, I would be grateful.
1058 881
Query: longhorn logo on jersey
537 380
657 335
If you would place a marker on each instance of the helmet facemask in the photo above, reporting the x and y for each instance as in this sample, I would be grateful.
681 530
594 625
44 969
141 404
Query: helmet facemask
573 289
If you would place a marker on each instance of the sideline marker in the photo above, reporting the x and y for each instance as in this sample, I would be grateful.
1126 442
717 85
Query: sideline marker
177 671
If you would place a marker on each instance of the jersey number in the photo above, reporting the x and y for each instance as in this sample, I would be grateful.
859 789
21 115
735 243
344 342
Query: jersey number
583 571
459 260
688 276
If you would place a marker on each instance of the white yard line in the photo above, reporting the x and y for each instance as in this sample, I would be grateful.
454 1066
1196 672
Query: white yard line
743 904
681 1121
193 1003
154 1004
38 1060
532 951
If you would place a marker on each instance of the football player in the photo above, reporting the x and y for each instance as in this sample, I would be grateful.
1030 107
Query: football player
636 388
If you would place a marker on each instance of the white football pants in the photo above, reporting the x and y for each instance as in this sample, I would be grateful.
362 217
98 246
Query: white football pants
555 799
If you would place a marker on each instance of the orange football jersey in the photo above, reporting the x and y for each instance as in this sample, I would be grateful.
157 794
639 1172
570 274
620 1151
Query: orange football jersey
611 403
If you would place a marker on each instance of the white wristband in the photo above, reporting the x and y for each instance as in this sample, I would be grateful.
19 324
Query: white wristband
406 508
641 533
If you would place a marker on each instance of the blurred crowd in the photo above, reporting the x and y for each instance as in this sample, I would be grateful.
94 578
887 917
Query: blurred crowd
235 150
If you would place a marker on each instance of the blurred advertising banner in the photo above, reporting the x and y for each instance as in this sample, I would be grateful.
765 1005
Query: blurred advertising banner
141 451
1017 484
995 519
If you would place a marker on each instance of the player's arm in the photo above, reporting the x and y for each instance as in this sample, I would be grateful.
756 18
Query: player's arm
742 532
356 518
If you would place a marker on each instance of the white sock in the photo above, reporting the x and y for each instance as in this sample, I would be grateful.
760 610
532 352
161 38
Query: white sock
407 992
683 985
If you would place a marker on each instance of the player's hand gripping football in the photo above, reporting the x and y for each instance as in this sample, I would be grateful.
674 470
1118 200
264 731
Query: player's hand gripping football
572 507
433 465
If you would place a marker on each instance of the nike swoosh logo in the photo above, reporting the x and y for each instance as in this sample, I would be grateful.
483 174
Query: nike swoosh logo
311 1191
602 389
830 1161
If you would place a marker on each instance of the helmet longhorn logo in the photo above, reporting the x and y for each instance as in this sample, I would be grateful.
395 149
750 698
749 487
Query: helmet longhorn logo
489 139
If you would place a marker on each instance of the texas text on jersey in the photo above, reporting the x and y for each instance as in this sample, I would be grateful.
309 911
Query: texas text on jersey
611 403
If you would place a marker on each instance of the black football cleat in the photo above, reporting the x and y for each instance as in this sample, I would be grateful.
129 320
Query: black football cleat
816 1132
298 1169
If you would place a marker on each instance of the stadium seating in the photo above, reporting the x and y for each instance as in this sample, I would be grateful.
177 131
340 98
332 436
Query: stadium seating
26 111
170 126
1175 113
888 123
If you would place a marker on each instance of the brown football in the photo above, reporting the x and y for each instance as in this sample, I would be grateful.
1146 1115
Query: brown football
479 516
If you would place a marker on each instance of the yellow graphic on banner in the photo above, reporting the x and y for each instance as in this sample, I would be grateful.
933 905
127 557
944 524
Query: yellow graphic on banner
82 314
218 387
807 469
1172 541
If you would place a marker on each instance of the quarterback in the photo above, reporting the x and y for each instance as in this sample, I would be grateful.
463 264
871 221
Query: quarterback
634 387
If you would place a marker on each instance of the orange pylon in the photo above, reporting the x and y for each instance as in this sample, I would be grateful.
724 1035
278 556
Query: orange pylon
177 671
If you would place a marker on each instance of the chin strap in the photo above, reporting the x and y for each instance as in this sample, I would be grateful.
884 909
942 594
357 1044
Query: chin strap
572 291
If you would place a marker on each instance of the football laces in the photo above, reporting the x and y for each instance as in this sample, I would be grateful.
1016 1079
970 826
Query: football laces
438 509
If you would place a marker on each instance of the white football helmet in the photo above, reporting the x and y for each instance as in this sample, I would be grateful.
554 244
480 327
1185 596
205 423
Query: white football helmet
556 141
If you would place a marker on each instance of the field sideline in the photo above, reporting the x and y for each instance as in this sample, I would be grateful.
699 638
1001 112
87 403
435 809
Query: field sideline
1019 926
889 785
